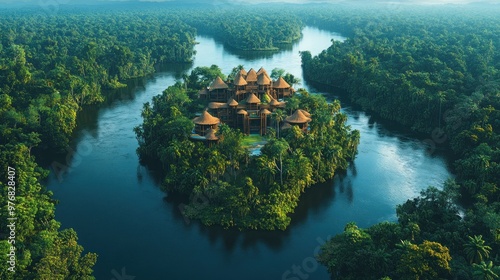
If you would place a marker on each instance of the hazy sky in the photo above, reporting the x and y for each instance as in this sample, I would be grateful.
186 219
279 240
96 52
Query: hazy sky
52 2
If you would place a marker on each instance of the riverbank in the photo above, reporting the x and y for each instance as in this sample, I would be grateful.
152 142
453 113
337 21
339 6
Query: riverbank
391 166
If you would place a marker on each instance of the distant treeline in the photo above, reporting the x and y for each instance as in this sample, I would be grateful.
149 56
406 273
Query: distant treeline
436 71
248 29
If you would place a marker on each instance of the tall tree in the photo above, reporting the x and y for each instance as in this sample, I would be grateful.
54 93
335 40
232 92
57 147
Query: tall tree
476 250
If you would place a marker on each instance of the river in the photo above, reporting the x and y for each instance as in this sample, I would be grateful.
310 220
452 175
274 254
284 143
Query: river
119 212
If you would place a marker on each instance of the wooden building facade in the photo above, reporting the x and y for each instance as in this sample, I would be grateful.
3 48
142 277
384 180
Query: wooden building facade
246 102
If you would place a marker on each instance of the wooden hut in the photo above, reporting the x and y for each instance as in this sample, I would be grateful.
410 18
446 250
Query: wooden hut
263 83
263 71
210 137
282 88
240 85
218 90
252 102
205 122
251 80
299 119
243 72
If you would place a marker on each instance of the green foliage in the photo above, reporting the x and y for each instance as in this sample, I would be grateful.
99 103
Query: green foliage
50 67
248 29
486 271
201 77
429 260
42 251
436 71
475 250
375 253
227 186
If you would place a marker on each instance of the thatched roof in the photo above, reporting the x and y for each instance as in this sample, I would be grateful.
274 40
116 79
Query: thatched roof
265 112
305 113
251 76
203 91
261 70
211 135
281 83
242 112
239 81
252 99
276 103
218 83
206 119
242 72
262 80
297 117
217 105
231 102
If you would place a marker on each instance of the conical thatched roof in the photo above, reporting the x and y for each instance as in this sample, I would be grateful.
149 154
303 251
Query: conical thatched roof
305 113
242 112
239 81
265 112
281 83
206 119
261 70
251 76
297 117
263 80
252 99
211 135
276 103
218 83
242 72
231 102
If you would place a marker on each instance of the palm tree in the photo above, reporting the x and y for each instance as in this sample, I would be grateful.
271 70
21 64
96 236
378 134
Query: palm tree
293 104
279 116
266 169
476 250
404 245
486 271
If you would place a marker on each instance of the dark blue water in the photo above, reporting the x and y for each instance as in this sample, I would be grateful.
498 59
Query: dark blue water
119 212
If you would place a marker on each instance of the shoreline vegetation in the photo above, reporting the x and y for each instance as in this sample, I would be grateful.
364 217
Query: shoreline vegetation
438 73
53 64
237 189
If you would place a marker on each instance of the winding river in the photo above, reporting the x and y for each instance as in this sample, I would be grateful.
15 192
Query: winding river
119 212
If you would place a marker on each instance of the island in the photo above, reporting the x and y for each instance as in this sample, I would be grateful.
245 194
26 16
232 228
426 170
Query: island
243 148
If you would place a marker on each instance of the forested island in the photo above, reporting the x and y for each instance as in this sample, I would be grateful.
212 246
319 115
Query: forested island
52 67
434 70
226 185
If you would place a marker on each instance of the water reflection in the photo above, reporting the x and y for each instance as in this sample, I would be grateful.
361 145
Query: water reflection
129 224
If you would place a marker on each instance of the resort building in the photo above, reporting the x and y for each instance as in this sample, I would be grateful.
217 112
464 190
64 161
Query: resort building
246 102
